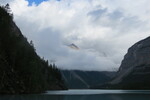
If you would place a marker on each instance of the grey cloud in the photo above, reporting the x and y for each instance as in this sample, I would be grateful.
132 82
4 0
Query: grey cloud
100 33
97 13
5 1
116 20
116 15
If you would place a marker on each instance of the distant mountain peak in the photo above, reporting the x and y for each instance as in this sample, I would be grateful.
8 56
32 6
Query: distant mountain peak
73 46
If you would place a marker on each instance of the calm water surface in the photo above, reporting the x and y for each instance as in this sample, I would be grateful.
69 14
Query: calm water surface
84 95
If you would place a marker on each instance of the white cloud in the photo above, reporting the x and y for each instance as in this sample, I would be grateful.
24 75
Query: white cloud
3 2
103 30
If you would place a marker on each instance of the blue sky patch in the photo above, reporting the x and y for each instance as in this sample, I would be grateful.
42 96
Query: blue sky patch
37 1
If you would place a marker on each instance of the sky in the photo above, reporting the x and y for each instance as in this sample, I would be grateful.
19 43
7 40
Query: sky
35 1
103 30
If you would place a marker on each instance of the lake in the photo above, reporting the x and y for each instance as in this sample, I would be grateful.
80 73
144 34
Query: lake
83 95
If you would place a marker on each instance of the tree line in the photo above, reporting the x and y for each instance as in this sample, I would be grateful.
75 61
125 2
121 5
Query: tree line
22 70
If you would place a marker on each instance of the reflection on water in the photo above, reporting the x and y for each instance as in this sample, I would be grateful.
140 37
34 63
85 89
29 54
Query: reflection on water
106 96
78 97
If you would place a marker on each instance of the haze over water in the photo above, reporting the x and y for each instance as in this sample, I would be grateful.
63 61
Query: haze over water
83 95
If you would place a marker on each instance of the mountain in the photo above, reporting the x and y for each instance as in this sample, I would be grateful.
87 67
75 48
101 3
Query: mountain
134 72
73 46
76 79
22 70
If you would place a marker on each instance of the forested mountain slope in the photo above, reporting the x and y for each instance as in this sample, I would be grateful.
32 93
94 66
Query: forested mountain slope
21 69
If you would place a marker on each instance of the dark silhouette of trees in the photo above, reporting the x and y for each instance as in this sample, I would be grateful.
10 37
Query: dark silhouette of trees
22 70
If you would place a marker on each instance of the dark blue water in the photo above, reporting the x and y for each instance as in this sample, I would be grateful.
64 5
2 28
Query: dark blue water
83 95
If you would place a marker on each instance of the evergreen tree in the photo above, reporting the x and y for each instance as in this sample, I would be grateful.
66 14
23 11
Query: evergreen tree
22 70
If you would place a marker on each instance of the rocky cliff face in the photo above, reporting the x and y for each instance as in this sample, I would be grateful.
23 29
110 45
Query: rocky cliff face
134 72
